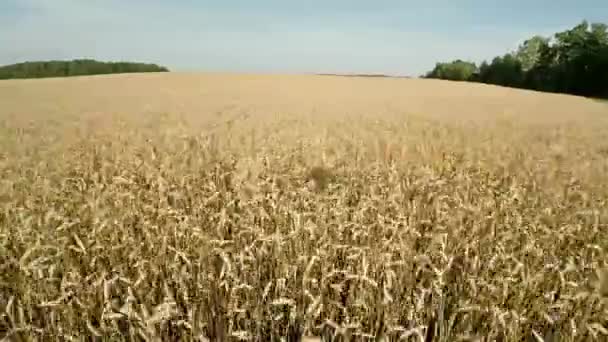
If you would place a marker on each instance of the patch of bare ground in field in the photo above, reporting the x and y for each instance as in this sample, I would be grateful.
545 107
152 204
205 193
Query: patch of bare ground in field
247 207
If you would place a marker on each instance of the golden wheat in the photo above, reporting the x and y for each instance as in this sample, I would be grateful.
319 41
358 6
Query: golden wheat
178 207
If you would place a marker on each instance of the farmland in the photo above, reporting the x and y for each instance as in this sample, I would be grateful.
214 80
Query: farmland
182 206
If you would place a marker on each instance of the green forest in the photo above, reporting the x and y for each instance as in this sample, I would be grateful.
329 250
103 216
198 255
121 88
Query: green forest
78 67
574 61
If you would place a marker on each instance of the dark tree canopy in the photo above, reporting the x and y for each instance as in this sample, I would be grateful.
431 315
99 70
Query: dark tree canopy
574 61
457 70
506 70
77 67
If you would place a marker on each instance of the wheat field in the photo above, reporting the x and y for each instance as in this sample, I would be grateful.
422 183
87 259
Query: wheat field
221 207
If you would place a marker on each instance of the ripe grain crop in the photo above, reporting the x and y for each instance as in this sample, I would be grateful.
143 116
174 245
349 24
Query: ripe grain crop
244 207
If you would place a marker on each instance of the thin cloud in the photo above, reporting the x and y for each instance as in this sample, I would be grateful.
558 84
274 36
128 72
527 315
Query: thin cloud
390 37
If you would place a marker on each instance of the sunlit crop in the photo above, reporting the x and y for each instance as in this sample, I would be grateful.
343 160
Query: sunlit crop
224 208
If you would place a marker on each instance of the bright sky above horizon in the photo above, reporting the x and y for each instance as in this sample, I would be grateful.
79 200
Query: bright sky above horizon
332 36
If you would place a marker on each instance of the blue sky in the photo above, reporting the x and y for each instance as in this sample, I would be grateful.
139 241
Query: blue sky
396 37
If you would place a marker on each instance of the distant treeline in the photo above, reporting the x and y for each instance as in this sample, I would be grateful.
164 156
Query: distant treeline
574 61
77 67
